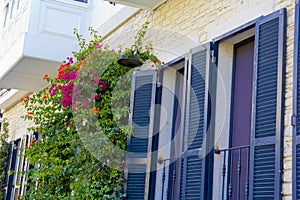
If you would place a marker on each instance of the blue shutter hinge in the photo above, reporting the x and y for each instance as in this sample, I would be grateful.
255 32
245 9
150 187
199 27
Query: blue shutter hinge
213 57
293 120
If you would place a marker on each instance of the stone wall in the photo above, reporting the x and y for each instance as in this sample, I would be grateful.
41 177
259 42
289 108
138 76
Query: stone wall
17 125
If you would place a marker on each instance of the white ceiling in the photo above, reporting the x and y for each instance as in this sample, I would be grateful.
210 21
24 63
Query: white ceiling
28 74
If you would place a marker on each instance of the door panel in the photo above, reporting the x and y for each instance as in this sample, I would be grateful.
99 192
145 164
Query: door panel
241 114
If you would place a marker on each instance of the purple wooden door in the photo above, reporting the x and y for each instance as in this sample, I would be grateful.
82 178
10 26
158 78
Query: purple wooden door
241 116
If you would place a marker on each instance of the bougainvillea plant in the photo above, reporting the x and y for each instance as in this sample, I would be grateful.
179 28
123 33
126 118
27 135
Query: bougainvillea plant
82 119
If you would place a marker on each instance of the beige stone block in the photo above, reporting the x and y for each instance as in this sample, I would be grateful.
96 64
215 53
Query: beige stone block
287 197
287 176
287 188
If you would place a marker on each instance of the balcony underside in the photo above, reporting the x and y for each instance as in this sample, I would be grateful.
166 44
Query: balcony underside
143 4
28 73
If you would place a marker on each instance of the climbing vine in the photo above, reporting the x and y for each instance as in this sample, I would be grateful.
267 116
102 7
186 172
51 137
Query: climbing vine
82 119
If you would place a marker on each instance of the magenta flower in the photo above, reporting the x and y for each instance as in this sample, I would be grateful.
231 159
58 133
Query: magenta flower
77 92
94 83
94 96
52 89
103 84
74 106
70 60
98 46
70 76
66 100
85 103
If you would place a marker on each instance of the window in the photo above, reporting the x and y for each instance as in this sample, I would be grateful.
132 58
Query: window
196 172
12 8
255 145
83 1
15 180
6 11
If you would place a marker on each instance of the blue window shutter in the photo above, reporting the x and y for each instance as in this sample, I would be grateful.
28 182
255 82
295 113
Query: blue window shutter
6 179
24 165
138 155
268 105
296 108
193 176
10 187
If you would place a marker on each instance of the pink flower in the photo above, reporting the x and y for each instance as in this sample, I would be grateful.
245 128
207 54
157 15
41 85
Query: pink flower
52 86
75 98
70 59
98 46
66 100
77 92
74 106
53 89
103 84
85 103
94 83
94 96
70 76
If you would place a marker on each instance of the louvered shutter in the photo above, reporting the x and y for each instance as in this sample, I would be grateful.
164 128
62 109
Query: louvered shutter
268 104
296 108
10 187
24 166
9 156
193 164
138 156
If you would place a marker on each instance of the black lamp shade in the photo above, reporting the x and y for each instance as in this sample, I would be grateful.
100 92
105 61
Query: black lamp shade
132 61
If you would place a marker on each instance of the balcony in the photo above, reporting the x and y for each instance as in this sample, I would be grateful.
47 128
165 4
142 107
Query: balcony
143 4
235 172
36 36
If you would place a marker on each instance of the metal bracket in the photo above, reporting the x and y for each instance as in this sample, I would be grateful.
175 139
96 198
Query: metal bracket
213 57
217 151
293 120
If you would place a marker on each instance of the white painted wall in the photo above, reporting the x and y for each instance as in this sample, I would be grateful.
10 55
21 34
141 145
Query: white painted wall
165 130
102 11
